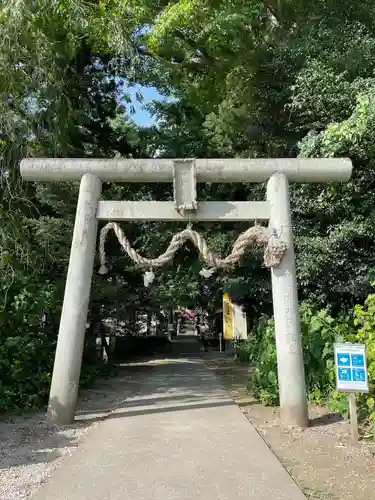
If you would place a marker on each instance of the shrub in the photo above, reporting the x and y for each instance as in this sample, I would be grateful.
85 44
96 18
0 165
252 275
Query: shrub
28 334
319 333
364 320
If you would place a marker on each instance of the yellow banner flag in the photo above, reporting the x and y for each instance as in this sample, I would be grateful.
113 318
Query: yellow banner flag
227 317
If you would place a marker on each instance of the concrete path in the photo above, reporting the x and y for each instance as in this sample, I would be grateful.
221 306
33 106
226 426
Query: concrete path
180 437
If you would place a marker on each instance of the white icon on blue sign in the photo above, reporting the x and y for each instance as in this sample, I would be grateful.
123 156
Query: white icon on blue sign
343 359
359 375
344 374
358 360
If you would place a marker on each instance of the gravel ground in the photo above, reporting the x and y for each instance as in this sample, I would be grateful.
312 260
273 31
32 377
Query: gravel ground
321 459
31 449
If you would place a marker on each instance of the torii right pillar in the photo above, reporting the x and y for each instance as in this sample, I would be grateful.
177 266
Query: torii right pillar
290 366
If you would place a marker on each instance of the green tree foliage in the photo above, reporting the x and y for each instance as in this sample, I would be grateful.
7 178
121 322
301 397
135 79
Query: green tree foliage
256 78
59 97
266 78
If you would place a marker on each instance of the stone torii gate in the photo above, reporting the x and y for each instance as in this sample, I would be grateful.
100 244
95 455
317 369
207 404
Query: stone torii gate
184 174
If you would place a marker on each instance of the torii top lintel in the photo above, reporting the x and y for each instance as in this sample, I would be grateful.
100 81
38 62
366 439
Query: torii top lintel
206 170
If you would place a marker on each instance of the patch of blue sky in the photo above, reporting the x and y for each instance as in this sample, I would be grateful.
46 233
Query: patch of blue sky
141 116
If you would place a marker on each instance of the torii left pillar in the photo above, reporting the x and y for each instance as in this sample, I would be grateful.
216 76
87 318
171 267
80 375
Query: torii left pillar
68 358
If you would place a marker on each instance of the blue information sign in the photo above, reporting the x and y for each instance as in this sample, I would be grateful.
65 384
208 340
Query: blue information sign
351 371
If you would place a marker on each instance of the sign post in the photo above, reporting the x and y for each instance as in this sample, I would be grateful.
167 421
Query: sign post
351 377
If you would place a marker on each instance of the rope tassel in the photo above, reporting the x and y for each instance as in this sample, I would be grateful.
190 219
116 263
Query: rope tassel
256 235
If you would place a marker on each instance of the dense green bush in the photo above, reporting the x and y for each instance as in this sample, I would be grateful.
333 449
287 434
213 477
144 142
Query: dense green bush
364 320
25 372
26 364
28 334
319 333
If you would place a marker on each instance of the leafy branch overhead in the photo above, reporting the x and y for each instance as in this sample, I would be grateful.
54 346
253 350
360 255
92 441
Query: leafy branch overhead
255 78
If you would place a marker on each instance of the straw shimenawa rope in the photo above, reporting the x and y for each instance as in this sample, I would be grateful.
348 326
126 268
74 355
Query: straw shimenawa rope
258 235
